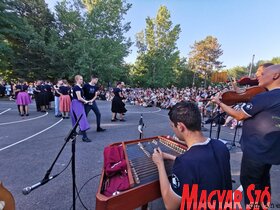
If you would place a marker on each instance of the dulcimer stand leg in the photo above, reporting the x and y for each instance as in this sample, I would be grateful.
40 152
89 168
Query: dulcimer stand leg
145 206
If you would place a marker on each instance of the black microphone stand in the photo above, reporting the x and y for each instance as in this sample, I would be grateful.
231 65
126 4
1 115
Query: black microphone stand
202 123
71 136
218 116
141 127
234 137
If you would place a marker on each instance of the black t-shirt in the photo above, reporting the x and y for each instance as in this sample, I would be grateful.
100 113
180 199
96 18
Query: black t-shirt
48 87
117 92
77 88
22 88
206 164
89 91
55 93
41 88
64 90
260 138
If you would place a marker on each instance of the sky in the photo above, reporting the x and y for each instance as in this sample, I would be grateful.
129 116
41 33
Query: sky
243 27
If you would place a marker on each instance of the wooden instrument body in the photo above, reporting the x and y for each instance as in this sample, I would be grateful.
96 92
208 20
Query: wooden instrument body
139 194
232 97
7 197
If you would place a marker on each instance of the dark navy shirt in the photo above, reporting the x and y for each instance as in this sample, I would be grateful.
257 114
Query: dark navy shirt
41 88
206 164
117 92
260 138
48 87
77 88
55 93
89 91
64 90
22 88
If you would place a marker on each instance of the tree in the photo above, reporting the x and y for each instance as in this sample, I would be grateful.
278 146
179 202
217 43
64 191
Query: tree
238 72
158 62
94 42
26 27
204 55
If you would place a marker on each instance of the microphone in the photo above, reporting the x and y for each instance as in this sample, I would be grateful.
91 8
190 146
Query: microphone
141 124
27 190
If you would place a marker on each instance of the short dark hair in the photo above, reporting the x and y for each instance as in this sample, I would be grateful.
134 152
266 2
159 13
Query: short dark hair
94 76
265 65
186 113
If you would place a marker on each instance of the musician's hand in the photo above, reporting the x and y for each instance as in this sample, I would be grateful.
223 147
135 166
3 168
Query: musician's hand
168 156
217 98
158 157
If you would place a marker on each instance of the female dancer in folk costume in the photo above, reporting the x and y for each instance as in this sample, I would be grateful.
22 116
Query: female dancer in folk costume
23 99
118 105
43 98
65 100
77 107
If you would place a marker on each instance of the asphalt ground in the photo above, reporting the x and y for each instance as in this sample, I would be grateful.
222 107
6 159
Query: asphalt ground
28 146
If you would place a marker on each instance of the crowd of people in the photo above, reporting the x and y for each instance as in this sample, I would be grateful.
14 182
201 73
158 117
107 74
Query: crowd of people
61 94
259 140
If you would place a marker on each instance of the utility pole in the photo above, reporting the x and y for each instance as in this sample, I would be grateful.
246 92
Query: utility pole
251 65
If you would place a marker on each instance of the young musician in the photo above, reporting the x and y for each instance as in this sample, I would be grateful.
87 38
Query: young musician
260 138
206 163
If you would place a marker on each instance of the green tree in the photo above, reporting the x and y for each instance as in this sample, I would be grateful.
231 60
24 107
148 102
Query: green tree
204 55
158 62
26 28
94 42
238 72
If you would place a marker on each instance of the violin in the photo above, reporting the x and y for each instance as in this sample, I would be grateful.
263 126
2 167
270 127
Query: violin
248 81
232 97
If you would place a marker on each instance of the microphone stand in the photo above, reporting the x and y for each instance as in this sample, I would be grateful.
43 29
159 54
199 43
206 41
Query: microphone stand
202 124
234 137
211 120
141 127
71 136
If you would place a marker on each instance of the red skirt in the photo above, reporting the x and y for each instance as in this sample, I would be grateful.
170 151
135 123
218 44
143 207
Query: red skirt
64 103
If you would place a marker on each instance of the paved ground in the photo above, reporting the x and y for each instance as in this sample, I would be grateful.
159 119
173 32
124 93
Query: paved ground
28 145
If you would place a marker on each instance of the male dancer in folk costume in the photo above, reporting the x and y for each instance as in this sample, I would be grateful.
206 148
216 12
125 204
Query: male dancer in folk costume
91 93
59 83
77 107
260 140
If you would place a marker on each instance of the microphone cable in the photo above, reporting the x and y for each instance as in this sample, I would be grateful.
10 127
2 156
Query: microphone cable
78 191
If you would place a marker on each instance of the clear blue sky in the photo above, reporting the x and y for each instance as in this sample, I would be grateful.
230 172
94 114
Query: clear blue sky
243 27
